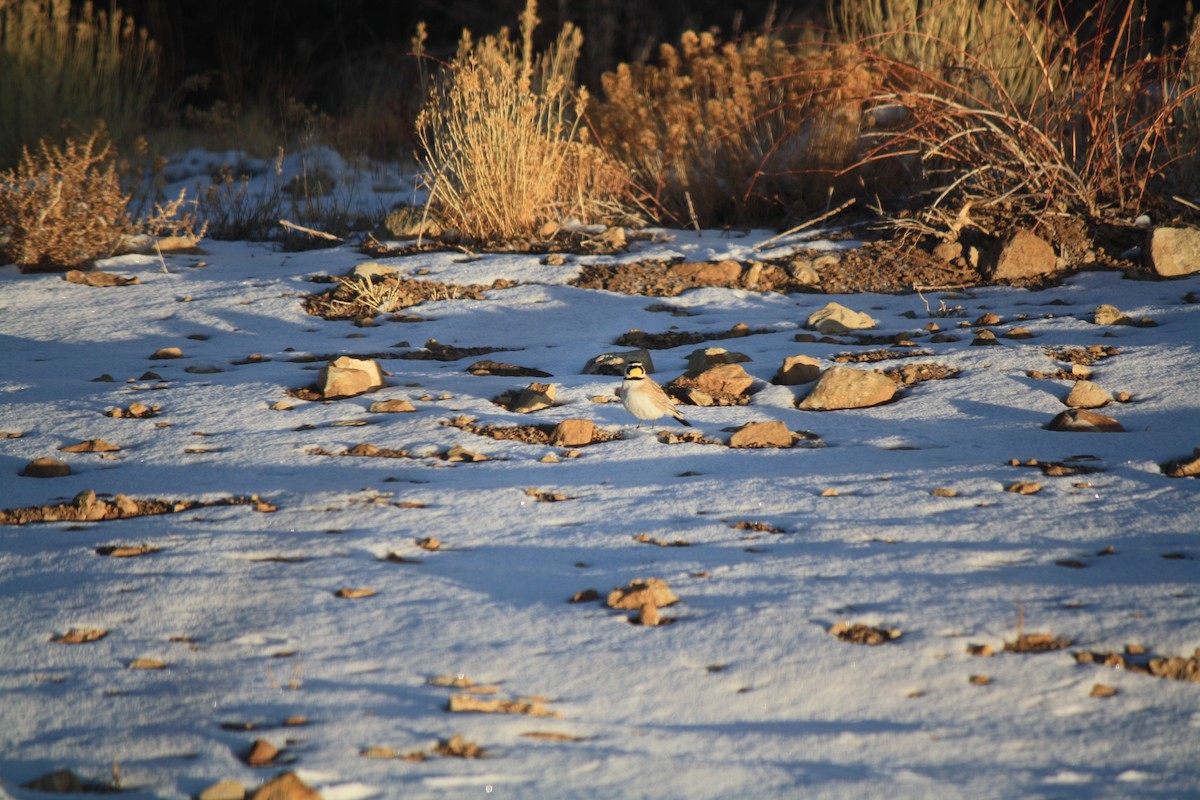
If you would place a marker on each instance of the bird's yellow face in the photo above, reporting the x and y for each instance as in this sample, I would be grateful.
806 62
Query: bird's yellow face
635 371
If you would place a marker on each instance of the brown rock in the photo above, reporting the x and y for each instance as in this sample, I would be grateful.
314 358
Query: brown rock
1022 255
98 278
1183 468
163 353
46 468
846 387
1174 251
1085 394
985 338
797 370
835 318
947 251
534 397
1080 420
261 754
286 787
723 379
348 376
649 616
762 434
1109 315
720 273
90 446
706 357
393 406
639 592
572 433
59 782
223 790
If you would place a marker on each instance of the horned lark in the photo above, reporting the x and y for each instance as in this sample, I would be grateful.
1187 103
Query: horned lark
644 398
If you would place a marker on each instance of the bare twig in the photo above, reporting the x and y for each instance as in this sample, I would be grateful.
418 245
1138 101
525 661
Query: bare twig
807 224
310 231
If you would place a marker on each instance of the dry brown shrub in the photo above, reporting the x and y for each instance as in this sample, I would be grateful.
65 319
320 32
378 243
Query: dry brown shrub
718 132
63 207
502 142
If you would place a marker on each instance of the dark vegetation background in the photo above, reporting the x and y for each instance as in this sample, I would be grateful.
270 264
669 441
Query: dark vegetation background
320 52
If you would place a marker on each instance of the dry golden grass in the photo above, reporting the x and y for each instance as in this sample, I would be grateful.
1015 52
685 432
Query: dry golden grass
717 132
501 139
63 60
63 207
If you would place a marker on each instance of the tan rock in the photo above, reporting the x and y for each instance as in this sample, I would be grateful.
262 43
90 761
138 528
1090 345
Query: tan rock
1080 420
572 433
845 387
167 353
1109 315
639 592
1184 467
534 397
649 616
1021 255
1172 252
706 357
835 318
762 434
348 376
719 273
261 753
46 468
393 406
223 790
797 370
286 787
723 379
373 271
1085 394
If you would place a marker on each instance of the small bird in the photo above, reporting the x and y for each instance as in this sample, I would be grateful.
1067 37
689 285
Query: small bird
644 398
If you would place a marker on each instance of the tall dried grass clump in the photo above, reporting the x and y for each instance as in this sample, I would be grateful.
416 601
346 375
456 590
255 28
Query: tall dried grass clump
84 65
63 206
1043 117
718 132
502 140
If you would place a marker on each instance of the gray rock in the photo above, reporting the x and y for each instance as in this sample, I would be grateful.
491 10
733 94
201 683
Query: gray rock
614 363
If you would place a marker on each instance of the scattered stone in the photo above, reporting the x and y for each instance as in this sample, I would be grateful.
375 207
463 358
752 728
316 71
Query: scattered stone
706 357
986 320
1109 315
772 433
979 680
1085 394
147 663
354 594
1023 255
458 747
347 376
459 454
1080 420
985 338
614 363
1036 643
1101 690
648 615
846 387
98 278
60 781
530 707
286 786
797 370
370 270
393 406
262 753
1018 333
223 790
122 551
639 592
46 468
585 596
981 650
534 397
134 411
164 353
500 369
80 636
1024 487
1172 252
708 273
90 446
573 433
429 543
947 251
944 492
835 318
859 633
1183 468
724 384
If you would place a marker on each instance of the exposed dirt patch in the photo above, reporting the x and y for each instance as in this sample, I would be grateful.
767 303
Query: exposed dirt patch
912 374
858 633
669 339
528 434
88 506
871 356
1136 659
1036 643
355 299
1074 465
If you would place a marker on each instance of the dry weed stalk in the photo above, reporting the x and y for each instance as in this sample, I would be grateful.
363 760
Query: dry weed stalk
63 207
502 141
717 131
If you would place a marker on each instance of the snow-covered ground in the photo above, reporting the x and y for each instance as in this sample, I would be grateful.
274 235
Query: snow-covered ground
746 694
